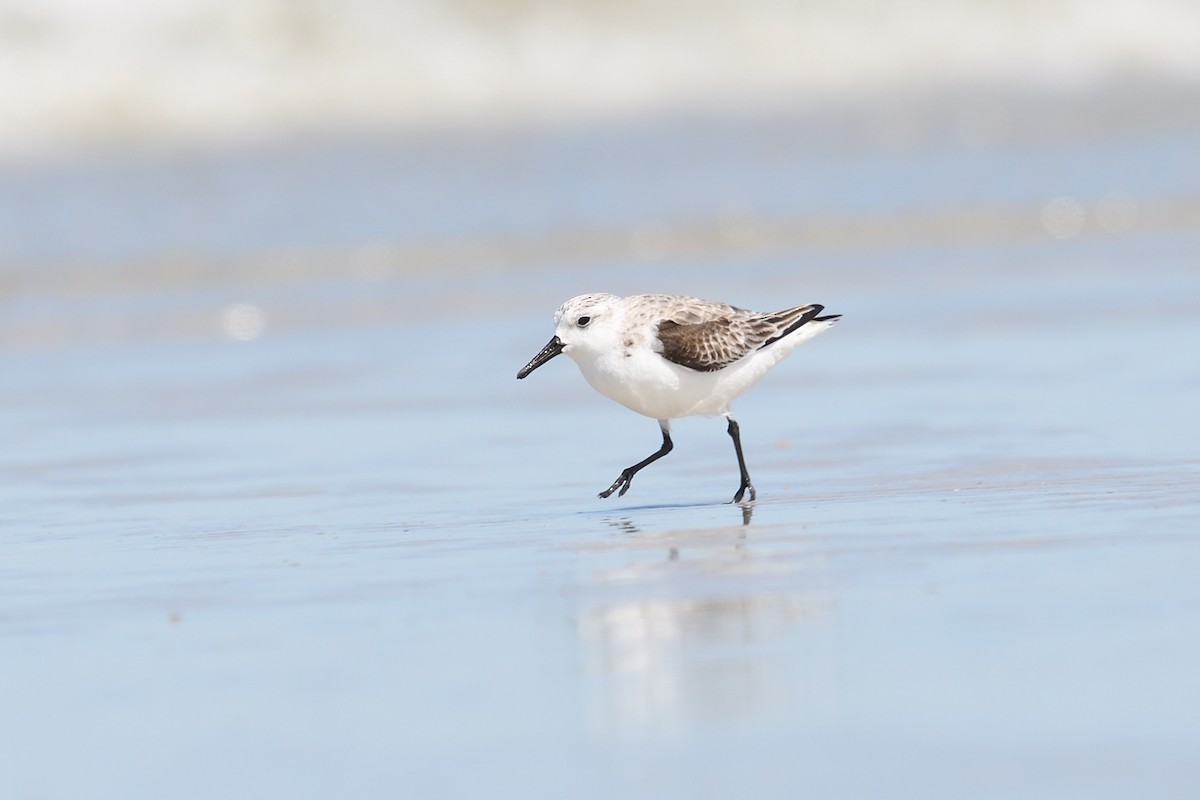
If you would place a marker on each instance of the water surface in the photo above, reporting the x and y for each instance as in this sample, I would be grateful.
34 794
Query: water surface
330 545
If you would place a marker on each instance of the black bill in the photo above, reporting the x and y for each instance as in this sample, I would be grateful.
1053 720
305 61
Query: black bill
548 352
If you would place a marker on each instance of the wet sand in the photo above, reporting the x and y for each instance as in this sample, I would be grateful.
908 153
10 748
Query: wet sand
279 520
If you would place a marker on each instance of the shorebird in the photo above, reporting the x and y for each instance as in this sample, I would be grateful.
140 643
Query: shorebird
666 357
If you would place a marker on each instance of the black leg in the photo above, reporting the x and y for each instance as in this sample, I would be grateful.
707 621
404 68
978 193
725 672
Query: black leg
627 474
735 433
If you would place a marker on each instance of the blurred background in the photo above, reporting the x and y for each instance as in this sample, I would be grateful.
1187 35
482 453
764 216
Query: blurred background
278 520
206 144
186 73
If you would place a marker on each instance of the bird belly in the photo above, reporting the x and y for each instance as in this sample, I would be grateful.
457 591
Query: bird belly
652 386
643 381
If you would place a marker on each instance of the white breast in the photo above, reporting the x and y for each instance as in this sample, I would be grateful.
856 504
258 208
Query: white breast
643 381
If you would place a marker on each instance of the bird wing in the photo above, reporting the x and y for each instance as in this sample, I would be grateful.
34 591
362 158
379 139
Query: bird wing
713 344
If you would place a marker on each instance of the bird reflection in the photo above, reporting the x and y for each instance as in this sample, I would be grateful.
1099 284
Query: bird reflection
627 525
665 665
692 636
624 525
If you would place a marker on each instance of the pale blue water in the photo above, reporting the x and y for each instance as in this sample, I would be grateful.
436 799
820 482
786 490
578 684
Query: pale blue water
355 557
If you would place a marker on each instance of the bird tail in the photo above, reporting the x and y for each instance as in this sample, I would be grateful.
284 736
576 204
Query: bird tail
795 318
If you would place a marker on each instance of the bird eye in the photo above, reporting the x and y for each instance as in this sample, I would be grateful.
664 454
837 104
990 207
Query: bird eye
583 321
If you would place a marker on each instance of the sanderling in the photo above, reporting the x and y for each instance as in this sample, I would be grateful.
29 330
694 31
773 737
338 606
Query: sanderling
668 357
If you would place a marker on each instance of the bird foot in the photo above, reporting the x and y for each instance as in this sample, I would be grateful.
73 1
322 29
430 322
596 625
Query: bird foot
621 483
741 492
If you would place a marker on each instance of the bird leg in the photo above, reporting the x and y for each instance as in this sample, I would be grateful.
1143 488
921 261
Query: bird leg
627 474
735 433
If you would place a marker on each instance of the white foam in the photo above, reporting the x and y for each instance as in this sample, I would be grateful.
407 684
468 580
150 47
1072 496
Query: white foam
78 73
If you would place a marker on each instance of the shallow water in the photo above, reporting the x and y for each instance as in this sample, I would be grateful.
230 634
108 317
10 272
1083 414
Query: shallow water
348 553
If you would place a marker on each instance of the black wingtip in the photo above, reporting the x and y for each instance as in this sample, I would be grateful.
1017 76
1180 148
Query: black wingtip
826 318
810 315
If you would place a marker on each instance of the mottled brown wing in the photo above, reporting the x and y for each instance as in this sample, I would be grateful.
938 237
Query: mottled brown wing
717 343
